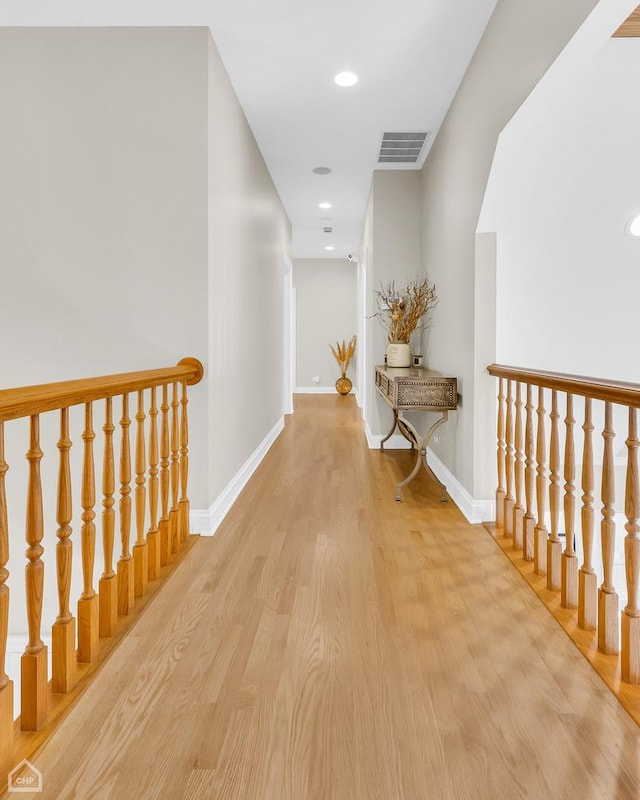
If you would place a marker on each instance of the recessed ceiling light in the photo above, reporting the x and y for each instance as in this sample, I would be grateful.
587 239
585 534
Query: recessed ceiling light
346 79
322 170
633 226
324 205
329 247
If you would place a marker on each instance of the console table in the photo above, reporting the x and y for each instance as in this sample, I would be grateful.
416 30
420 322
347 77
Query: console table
410 389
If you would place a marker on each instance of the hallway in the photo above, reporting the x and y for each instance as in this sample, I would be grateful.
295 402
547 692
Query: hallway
331 644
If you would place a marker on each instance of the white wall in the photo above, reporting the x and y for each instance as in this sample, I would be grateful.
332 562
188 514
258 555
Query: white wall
565 181
519 44
103 237
326 304
138 225
249 233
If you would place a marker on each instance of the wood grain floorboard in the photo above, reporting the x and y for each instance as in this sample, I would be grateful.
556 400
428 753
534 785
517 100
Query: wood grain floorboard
331 644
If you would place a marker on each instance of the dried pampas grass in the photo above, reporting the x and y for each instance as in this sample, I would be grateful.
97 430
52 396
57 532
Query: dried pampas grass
343 353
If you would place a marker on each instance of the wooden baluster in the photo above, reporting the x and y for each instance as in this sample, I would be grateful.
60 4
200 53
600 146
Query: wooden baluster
6 685
153 535
500 491
569 589
554 545
540 531
88 604
175 472
33 666
184 506
140 549
587 578
165 544
108 585
509 459
125 562
630 653
518 510
608 630
529 480
63 638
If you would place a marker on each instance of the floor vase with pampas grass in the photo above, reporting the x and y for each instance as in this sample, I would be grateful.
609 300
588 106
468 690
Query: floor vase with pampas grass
343 353
343 384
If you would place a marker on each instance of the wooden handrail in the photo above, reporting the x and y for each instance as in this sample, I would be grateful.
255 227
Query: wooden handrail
29 400
626 394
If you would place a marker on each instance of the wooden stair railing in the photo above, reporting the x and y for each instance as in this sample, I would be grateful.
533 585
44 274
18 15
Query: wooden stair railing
159 472
595 608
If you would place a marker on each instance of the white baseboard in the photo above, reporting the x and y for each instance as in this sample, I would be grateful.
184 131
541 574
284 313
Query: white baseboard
315 390
200 521
396 442
206 522
473 509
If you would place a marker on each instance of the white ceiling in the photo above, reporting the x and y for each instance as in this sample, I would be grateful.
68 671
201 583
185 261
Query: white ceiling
282 55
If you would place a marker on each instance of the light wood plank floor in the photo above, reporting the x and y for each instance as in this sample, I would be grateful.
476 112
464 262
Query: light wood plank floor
331 644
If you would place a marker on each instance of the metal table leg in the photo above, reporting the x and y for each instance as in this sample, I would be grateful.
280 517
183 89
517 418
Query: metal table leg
422 443
399 423
393 427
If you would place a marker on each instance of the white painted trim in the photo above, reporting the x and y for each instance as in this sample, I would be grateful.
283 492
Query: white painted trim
473 509
288 336
315 390
206 522
294 340
364 323
200 521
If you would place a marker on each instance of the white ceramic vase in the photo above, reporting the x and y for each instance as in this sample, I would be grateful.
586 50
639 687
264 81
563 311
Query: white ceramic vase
398 354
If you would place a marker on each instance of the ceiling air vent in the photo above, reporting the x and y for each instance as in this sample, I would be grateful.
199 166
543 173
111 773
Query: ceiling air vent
402 148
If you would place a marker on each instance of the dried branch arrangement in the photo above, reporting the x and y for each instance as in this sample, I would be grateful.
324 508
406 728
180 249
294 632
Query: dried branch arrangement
401 311
343 353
